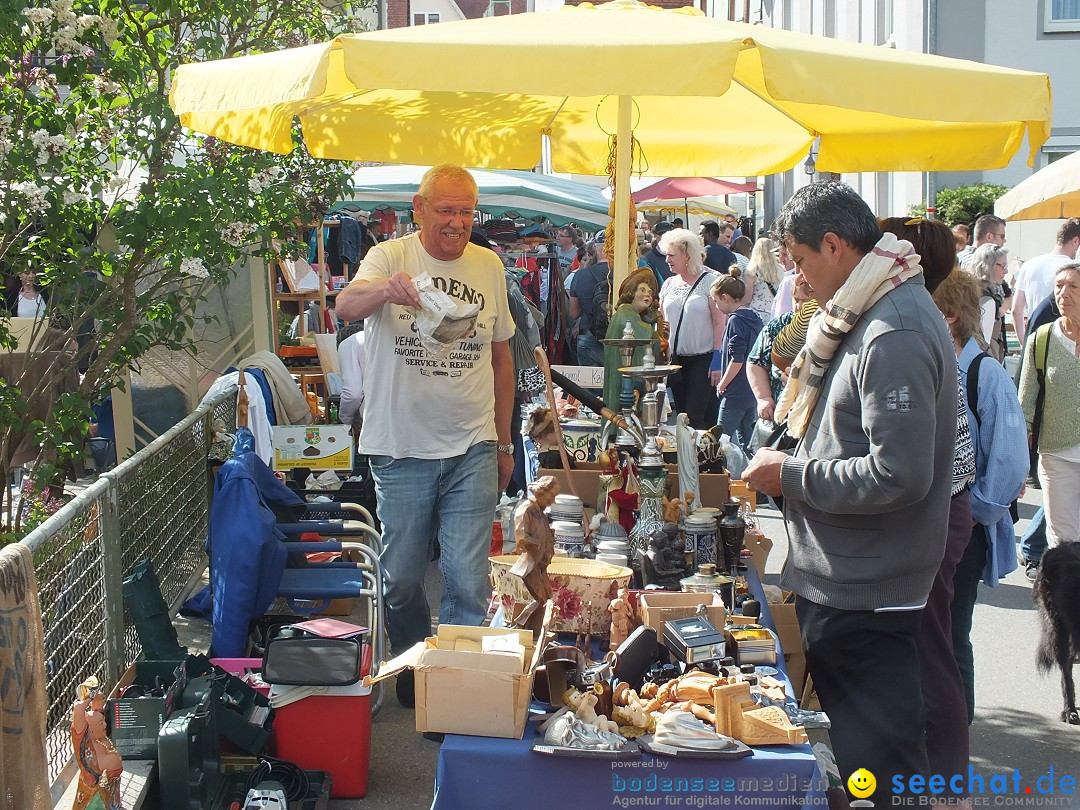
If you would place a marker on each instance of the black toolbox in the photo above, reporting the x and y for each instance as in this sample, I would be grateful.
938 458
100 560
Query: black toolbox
190 772
244 716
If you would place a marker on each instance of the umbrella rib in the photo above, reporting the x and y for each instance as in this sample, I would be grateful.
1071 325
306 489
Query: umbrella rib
338 100
785 113
551 121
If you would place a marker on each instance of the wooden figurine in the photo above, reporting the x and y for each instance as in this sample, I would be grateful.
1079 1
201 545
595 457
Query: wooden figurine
535 545
100 766
738 716
622 619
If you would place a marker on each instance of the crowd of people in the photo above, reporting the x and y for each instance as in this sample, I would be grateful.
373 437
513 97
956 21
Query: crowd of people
874 345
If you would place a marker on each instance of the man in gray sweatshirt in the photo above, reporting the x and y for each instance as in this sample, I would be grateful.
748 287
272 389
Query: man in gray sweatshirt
866 491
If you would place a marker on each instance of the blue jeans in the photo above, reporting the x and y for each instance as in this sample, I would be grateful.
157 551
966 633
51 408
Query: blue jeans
738 424
590 352
421 500
966 580
1033 543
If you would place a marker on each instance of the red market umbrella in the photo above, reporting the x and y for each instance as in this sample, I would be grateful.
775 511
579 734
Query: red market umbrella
673 188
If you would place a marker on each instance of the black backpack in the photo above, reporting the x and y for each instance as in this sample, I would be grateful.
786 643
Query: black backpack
601 309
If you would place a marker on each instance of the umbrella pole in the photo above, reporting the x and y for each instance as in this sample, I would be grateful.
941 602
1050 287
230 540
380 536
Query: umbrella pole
622 195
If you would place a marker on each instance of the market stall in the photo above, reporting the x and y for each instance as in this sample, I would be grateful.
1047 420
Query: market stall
481 771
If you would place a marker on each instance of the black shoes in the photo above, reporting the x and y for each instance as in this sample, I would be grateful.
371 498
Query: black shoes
405 686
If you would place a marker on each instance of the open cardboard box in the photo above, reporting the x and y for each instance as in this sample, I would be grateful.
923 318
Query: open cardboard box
787 630
658 607
714 488
462 691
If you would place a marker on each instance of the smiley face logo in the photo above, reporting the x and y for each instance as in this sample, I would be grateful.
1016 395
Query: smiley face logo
861 784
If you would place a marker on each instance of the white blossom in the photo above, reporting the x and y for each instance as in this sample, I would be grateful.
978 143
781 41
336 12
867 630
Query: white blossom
66 40
116 182
109 29
39 16
63 12
36 201
71 197
236 233
105 86
86 21
254 186
194 268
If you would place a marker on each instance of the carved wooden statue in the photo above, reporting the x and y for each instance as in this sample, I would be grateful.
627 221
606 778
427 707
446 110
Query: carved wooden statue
535 545
622 619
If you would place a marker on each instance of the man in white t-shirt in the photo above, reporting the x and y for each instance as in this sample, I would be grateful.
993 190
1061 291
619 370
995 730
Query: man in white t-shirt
436 431
1035 280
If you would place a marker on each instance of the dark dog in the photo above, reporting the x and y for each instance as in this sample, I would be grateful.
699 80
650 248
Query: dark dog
1057 597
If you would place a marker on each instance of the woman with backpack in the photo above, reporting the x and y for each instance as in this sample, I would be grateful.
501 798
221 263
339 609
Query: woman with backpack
1049 383
1000 466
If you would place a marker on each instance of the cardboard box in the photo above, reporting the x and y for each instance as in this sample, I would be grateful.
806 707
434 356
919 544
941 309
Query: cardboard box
136 721
759 547
461 691
318 447
787 630
714 488
658 607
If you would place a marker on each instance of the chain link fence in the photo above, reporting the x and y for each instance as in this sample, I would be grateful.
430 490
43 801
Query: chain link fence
156 505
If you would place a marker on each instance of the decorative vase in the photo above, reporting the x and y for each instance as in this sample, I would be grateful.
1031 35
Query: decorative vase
652 482
732 530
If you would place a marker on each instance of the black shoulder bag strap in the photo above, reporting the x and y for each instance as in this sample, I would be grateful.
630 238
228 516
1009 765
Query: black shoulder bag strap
973 387
682 312
1040 397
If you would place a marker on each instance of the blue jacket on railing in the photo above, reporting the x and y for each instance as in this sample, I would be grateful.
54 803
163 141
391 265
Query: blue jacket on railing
245 547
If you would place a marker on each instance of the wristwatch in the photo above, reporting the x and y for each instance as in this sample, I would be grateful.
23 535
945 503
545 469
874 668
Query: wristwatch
505 448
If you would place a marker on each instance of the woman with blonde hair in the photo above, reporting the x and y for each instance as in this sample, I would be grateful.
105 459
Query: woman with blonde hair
762 279
696 327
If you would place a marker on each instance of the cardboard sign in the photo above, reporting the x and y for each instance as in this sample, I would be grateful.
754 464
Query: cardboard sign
585 376
318 447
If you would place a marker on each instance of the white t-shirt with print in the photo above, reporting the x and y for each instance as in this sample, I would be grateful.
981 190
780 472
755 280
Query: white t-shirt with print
416 406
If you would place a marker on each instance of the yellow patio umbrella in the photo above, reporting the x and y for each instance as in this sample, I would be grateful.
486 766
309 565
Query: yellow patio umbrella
698 206
1053 192
702 97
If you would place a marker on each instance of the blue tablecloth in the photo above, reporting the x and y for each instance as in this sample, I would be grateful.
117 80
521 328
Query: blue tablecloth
484 773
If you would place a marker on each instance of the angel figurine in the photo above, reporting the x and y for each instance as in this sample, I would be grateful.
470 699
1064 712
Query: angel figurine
100 766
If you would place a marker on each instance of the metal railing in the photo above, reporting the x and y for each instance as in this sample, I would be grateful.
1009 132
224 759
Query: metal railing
156 505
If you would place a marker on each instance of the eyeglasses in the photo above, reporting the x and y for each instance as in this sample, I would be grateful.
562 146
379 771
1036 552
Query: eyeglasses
1002 265
450 213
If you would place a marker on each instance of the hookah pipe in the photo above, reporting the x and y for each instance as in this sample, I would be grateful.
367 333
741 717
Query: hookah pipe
590 401
542 361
